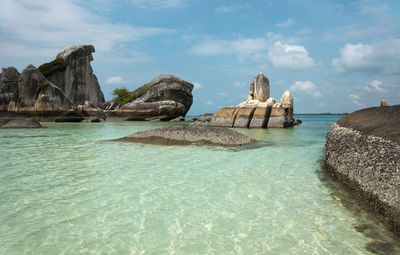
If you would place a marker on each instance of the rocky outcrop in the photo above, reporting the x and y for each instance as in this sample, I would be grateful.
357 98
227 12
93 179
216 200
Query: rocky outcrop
259 110
37 96
19 123
64 85
362 150
165 97
8 86
191 135
259 88
77 79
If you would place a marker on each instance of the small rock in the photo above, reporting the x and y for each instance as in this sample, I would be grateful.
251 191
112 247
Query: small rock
178 119
191 119
21 123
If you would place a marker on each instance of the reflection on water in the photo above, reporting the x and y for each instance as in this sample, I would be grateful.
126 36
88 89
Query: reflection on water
64 190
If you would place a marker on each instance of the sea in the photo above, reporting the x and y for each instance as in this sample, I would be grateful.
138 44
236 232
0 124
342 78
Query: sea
68 188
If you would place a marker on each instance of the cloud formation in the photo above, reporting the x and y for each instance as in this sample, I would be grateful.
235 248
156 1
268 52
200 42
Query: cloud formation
197 85
230 8
286 23
382 57
47 24
307 87
158 4
294 57
114 80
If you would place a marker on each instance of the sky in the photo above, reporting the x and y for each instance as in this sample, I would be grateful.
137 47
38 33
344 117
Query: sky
333 56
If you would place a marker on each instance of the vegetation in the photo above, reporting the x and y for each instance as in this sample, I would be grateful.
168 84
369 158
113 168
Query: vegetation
124 96
57 65
42 85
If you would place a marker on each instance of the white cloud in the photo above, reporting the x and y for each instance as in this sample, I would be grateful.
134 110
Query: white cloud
356 100
209 102
286 23
374 86
307 87
381 57
158 4
231 8
222 94
242 46
114 80
47 24
197 85
238 84
288 56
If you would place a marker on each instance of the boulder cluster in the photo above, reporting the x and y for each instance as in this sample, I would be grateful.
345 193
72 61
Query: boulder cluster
259 110
66 89
65 84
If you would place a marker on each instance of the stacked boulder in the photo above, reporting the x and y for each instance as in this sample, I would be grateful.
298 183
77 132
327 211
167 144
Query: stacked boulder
166 97
259 110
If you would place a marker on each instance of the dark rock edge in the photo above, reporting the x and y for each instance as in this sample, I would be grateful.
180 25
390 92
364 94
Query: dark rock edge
369 166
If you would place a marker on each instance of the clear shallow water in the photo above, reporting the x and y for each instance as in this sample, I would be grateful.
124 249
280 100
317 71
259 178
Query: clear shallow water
67 189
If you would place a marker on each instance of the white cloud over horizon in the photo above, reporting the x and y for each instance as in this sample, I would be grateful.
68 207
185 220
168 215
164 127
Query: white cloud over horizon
294 57
307 87
381 57
259 49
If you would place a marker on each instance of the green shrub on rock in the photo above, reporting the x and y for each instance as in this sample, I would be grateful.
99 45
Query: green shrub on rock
124 96
57 65
42 85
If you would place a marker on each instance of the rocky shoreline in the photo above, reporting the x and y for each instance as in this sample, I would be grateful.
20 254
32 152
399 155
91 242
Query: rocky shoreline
362 151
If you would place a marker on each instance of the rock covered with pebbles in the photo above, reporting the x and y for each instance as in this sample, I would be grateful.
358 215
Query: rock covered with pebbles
188 135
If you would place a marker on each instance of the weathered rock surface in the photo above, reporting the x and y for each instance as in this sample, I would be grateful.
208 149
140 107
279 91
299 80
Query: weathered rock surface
259 110
37 96
8 86
362 150
259 88
191 119
165 97
77 80
188 135
19 123
178 119
206 117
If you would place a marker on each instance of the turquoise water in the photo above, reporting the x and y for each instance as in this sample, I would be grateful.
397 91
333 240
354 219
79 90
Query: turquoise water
66 189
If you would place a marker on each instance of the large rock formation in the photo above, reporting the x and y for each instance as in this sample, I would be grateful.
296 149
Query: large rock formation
362 150
165 97
55 88
8 86
77 79
259 110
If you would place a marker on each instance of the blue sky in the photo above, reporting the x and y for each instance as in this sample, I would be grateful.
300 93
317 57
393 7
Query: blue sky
334 56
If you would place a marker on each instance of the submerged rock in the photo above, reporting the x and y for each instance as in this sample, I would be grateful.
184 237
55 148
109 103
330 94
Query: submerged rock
187 135
19 123
362 150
